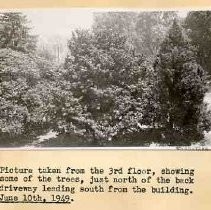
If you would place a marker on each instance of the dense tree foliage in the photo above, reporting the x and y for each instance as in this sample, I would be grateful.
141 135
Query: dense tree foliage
24 79
23 92
198 24
181 86
132 78
15 34
106 76
145 31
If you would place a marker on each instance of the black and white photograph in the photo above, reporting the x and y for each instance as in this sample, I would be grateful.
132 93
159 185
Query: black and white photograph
105 78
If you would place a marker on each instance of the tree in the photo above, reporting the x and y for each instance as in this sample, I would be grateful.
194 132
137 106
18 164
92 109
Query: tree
151 29
181 87
32 98
18 74
145 31
15 34
198 24
106 76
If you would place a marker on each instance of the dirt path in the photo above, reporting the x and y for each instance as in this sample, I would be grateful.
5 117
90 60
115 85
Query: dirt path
40 139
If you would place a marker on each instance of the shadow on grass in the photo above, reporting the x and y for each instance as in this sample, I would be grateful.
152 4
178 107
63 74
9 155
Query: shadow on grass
144 138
